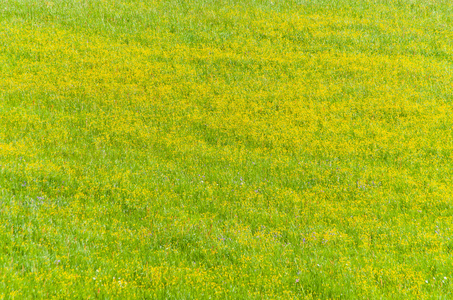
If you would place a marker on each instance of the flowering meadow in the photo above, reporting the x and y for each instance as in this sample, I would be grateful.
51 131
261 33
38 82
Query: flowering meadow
226 149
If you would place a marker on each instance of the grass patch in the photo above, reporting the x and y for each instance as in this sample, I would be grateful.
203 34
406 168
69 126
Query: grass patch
233 149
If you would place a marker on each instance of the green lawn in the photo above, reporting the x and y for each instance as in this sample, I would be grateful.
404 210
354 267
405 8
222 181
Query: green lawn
201 149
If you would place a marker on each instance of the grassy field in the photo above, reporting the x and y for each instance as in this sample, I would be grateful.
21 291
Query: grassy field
255 149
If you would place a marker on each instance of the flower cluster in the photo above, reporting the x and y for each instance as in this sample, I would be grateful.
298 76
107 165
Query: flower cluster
226 149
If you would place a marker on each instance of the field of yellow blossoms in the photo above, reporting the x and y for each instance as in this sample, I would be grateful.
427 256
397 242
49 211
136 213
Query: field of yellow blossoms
226 149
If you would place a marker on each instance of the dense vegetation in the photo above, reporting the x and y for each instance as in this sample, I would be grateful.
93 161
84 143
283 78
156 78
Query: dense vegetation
226 149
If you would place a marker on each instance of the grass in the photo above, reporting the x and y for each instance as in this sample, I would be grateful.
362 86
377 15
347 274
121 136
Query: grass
226 149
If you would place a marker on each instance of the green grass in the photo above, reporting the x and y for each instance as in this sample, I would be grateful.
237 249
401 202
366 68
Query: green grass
226 149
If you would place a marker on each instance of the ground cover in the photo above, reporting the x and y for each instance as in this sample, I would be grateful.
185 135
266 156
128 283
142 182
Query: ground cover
226 149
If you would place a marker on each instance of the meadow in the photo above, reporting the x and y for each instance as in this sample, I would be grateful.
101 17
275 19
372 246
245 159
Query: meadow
226 149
